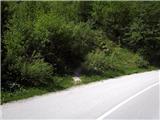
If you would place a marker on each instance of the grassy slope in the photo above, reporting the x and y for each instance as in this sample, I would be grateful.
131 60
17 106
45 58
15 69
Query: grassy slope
59 83
124 63
110 74
63 83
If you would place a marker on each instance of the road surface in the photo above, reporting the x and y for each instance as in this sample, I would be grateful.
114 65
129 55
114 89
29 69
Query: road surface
133 96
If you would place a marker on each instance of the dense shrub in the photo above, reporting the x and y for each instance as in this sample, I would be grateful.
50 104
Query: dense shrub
65 43
134 25
11 74
22 73
97 61
43 39
119 59
36 73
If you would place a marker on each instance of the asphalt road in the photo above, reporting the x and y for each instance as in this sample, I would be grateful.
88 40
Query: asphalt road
145 106
129 97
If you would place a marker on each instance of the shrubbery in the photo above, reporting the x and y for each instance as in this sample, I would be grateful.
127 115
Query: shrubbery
22 73
97 61
119 59
134 25
41 40
37 73
62 45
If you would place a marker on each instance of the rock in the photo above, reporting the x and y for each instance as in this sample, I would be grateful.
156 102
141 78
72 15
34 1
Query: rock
76 80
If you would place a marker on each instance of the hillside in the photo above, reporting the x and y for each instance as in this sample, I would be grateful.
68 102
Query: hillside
44 43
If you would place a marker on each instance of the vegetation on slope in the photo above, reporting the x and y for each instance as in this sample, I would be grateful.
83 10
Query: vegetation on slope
43 43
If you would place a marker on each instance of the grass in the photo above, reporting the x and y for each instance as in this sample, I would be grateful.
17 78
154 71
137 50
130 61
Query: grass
110 74
21 94
59 83
64 82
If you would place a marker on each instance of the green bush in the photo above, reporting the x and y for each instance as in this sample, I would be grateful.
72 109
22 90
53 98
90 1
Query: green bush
142 63
117 59
67 42
11 73
97 61
20 73
122 59
37 73
62 82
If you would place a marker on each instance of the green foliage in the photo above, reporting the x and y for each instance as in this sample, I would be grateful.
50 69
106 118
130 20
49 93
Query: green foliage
119 59
144 30
67 42
58 83
63 82
21 94
91 78
134 25
36 73
110 17
42 40
85 9
20 73
98 61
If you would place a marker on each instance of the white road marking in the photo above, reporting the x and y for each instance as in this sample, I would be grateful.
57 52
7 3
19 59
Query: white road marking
124 102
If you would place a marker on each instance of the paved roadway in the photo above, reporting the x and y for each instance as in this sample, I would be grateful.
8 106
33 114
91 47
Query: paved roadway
145 106
133 96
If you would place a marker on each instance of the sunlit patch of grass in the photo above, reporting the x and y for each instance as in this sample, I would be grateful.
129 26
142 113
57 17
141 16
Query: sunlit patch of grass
61 83
21 94
58 83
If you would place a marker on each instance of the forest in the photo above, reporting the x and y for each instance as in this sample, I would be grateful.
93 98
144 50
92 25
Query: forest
44 43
